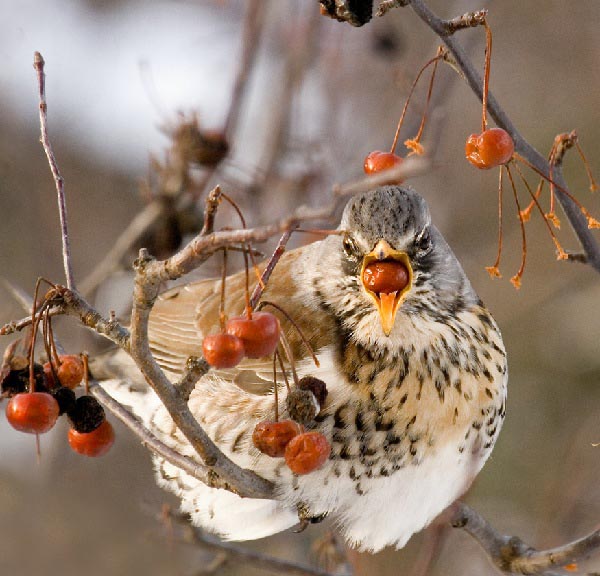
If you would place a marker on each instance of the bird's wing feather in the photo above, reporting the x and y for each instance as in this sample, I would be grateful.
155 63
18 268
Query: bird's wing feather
184 315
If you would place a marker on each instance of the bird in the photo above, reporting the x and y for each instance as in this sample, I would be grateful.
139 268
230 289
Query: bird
416 382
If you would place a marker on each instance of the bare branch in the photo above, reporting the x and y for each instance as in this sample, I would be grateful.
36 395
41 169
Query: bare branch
468 20
38 64
511 555
75 305
147 282
574 215
210 210
195 368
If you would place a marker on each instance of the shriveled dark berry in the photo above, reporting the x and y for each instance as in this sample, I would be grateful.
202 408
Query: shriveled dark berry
66 399
302 405
14 383
316 386
86 415
17 381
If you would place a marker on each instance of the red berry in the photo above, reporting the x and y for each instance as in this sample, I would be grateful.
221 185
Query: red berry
33 412
493 147
271 438
385 276
260 333
378 161
223 350
307 452
70 371
95 443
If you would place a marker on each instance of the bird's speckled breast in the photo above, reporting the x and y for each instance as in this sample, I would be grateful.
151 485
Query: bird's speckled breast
446 385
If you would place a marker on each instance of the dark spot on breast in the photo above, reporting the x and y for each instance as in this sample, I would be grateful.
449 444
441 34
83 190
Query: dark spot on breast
358 422
344 454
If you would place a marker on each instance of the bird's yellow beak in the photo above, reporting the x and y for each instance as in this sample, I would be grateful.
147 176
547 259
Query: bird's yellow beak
386 276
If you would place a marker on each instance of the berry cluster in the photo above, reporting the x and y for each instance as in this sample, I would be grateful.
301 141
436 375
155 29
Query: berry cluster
258 334
252 336
38 394
304 451
34 406
492 148
378 161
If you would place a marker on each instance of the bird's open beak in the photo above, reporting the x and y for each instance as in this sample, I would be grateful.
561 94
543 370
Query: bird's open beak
386 276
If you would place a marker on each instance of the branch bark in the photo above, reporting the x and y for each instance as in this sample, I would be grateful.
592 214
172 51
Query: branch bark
511 555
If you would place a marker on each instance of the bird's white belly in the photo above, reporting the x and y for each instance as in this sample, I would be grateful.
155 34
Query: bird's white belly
391 508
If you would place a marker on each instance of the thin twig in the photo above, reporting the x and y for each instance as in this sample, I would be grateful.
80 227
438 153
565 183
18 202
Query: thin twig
38 64
468 20
211 205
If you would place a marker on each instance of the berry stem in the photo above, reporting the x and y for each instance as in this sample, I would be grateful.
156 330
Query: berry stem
38 64
588 170
222 318
248 249
516 279
592 222
295 325
486 74
86 375
494 270
415 141
290 356
275 391
437 57
283 371
562 255
34 327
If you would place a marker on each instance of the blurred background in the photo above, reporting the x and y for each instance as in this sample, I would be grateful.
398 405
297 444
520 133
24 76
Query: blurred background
319 97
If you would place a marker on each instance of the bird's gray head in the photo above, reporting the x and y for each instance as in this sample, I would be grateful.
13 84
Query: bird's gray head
390 264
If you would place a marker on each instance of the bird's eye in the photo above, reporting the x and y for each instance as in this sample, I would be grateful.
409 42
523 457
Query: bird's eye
350 246
423 242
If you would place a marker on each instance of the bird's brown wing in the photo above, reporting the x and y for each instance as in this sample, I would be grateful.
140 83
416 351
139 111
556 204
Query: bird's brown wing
183 315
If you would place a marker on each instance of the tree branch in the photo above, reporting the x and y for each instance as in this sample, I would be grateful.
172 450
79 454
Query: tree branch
511 555
444 29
